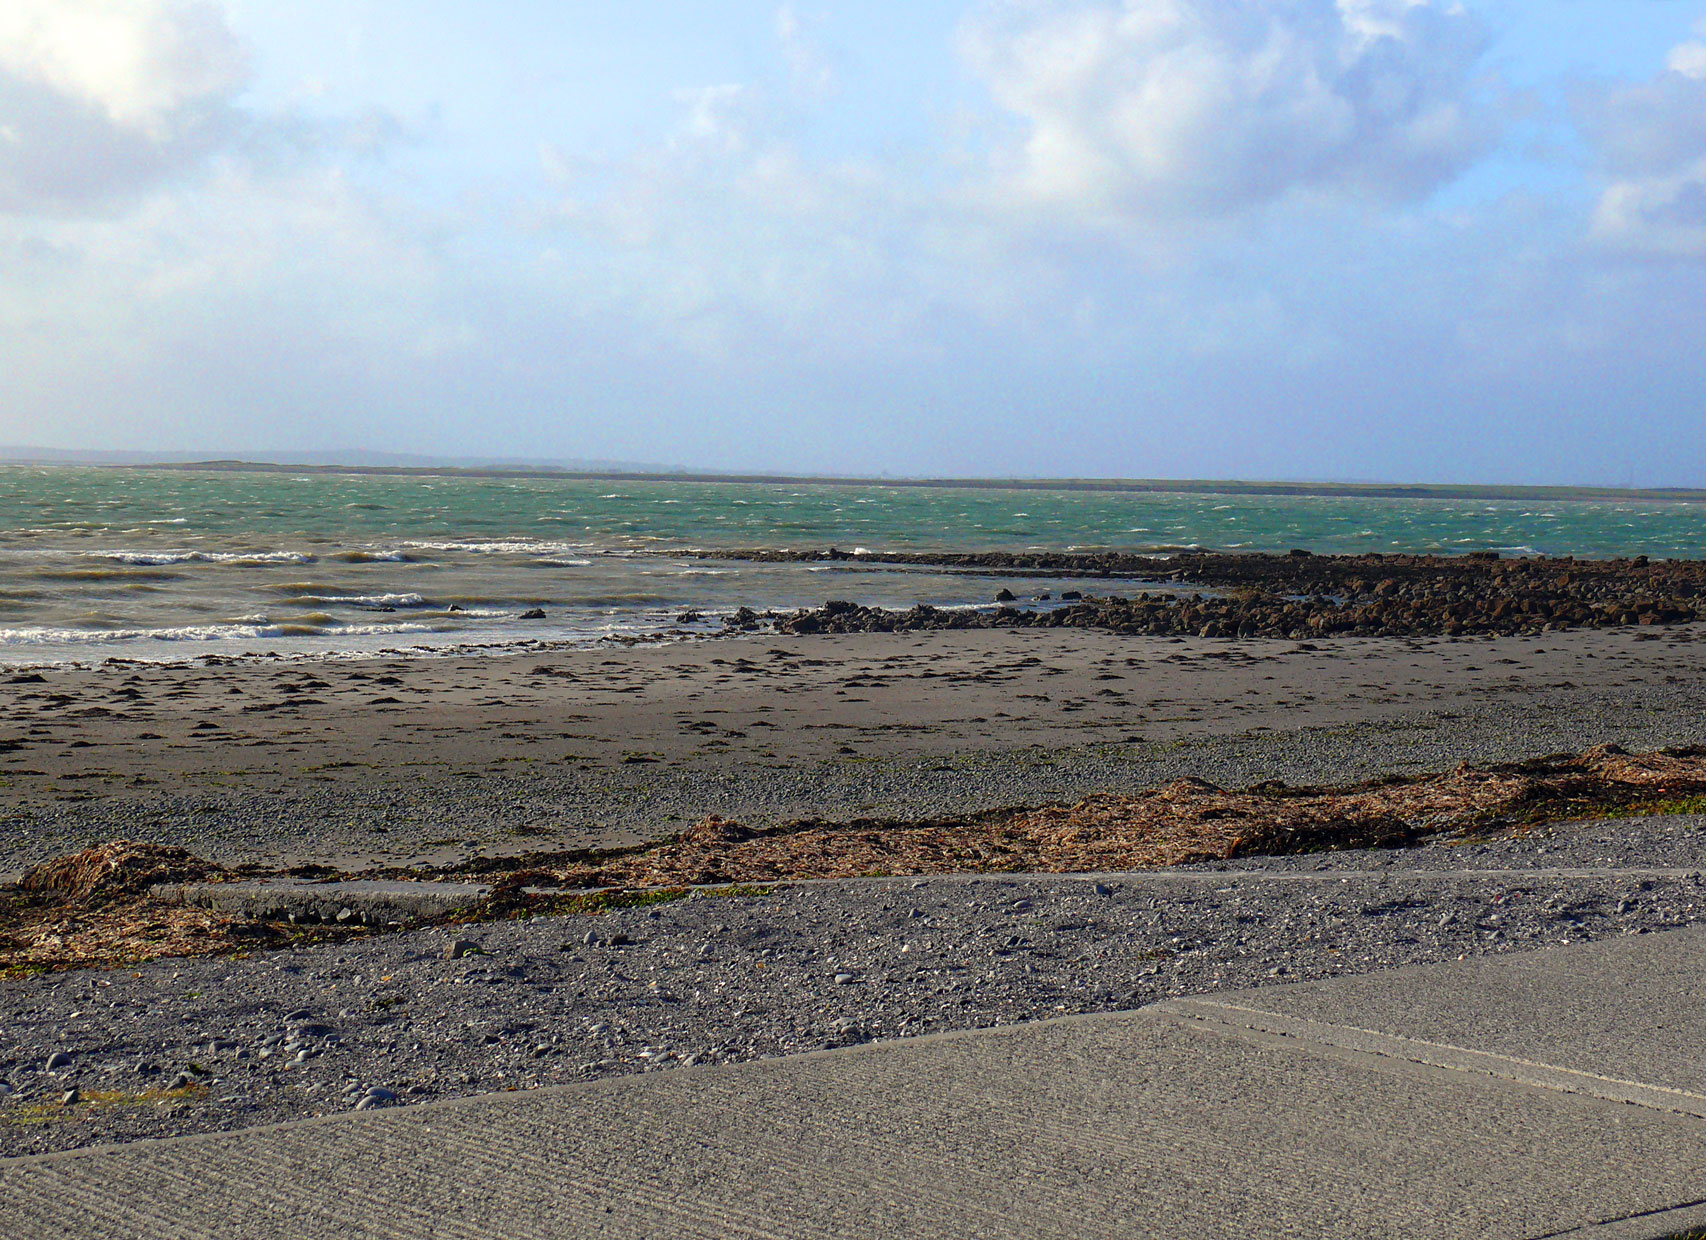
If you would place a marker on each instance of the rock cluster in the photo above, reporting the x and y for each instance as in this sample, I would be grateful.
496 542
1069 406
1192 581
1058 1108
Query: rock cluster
1300 596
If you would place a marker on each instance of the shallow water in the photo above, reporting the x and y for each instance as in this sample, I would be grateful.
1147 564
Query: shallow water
171 564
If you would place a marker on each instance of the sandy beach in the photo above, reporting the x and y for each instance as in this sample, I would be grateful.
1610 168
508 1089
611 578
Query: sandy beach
393 761
454 763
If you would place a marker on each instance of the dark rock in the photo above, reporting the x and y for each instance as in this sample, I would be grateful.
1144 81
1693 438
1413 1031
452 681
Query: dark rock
533 613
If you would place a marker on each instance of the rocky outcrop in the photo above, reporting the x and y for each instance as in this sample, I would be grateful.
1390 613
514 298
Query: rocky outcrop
1300 596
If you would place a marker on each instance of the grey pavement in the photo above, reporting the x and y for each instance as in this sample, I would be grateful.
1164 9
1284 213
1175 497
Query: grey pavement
1557 1093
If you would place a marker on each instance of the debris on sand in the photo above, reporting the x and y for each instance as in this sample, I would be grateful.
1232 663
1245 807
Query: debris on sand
94 908
1188 820
119 868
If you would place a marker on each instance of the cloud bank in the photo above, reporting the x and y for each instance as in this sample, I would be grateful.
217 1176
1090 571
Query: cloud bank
1650 138
1186 107
102 98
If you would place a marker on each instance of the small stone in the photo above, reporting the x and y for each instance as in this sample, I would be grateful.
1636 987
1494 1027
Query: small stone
301 1056
181 1081
846 979
56 1061
461 948
590 938
71 1097
533 613
1102 889
619 939
381 1094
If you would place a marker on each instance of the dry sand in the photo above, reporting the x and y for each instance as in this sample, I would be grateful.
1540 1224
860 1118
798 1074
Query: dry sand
406 759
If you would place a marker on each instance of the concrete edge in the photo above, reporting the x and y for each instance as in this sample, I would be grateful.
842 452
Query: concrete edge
1440 1055
1659 1225
601 1085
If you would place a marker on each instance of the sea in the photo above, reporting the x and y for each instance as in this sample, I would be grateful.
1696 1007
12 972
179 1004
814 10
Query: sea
174 565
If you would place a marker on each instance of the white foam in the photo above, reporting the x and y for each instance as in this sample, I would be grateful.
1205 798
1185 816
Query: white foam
55 636
361 600
157 558
507 546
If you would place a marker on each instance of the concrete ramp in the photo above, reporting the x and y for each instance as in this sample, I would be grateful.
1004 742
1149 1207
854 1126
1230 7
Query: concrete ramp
1544 1095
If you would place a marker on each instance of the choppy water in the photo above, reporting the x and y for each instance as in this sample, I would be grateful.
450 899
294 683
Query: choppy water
170 564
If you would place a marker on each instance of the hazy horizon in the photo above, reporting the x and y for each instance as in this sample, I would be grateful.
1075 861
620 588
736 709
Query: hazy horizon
1392 241
405 463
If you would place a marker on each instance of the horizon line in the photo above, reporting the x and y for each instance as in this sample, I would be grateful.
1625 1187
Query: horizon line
1203 486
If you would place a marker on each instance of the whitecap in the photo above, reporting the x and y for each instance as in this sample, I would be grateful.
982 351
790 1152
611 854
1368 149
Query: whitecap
361 600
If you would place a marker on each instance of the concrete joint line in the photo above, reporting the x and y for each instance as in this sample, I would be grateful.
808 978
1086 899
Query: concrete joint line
1236 1019
1671 1221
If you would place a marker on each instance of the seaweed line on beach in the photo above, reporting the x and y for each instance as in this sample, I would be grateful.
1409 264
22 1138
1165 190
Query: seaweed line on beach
104 907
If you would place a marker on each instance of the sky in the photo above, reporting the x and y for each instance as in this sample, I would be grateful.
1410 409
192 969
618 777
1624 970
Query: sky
1383 240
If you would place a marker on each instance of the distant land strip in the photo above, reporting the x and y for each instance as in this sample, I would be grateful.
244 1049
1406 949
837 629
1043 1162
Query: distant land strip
1173 486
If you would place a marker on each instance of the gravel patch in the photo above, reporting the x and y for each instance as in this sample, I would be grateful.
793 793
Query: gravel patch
618 805
183 1046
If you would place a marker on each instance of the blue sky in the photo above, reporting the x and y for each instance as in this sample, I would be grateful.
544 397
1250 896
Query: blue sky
1347 239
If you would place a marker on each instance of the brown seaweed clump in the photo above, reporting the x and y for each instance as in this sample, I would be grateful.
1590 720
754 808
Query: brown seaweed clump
94 908
119 868
1188 820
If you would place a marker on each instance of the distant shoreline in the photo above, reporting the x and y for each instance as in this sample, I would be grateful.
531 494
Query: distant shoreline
1164 486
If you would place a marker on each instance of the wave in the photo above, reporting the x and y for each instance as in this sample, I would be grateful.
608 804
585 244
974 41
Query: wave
507 546
358 600
128 573
374 557
155 559
53 636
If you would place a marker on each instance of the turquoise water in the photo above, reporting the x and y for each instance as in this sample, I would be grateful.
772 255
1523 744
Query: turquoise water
164 563
277 512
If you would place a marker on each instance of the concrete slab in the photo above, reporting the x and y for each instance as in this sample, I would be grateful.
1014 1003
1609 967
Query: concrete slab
1632 1008
1159 1123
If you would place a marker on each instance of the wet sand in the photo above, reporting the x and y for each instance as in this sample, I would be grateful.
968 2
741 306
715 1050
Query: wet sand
397 760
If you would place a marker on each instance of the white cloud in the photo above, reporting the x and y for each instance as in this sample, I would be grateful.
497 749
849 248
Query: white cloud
1174 107
813 78
98 97
1650 138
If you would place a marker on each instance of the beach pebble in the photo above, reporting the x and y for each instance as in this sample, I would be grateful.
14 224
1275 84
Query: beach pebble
846 979
460 948
57 1061
71 1097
